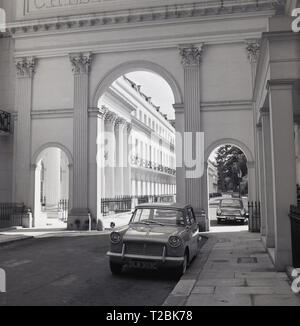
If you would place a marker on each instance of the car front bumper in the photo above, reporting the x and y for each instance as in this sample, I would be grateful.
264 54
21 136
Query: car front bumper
160 261
232 218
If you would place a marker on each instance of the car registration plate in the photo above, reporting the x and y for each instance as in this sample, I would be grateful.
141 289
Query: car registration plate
142 265
231 218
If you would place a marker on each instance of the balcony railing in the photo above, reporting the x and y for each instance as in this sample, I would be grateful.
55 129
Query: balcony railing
136 161
4 122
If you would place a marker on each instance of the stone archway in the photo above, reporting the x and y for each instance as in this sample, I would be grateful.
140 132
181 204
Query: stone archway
138 65
250 166
113 75
52 175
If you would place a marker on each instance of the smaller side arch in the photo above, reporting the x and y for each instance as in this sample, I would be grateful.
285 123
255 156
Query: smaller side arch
131 66
36 155
231 141
34 160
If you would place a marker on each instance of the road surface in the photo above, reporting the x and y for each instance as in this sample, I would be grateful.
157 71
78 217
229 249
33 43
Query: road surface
74 271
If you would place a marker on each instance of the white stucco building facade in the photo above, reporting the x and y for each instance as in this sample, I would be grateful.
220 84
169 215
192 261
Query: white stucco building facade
224 61
144 144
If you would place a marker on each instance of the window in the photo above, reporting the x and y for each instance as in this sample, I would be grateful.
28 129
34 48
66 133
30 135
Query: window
235 203
158 216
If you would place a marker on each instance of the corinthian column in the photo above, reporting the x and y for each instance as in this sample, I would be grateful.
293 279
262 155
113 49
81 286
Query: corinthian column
81 63
191 59
127 159
120 148
110 154
25 71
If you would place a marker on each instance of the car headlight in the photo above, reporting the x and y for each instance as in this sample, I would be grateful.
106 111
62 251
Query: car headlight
115 237
219 212
174 241
243 212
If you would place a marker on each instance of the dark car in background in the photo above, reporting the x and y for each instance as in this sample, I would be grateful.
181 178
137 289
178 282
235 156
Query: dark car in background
232 209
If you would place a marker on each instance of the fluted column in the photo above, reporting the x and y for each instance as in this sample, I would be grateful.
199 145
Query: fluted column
96 163
120 126
110 154
253 47
25 72
127 159
191 59
81 63
180 169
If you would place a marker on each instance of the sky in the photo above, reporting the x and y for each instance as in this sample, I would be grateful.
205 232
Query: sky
156 87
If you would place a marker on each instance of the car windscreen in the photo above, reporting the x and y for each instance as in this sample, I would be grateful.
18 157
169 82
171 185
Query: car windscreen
158 216
235 203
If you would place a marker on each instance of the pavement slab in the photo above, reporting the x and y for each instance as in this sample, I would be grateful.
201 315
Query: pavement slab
234 269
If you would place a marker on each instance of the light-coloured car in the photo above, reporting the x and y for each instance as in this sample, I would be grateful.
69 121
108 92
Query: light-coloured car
158 236
232 209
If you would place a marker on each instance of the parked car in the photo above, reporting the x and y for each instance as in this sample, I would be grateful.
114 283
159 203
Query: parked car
158 236
232 209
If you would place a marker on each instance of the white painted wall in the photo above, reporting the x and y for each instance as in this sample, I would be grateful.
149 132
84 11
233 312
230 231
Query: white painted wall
53 84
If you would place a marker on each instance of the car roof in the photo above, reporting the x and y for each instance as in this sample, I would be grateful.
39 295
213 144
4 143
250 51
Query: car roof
164 205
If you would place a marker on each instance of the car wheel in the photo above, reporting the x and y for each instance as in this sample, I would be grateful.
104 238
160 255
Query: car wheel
183 267
115 268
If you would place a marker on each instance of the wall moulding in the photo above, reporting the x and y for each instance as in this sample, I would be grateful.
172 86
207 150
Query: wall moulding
48 18
28 9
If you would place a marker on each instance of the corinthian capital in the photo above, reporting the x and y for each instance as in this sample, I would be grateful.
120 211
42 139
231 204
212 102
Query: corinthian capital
120 122
26 66
191 54
110 117
81 62
129 127
253 50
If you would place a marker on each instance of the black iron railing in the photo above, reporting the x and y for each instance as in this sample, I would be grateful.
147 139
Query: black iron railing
11 214
64 207
295 232
125 204
118 205
254 216
5 122
298 195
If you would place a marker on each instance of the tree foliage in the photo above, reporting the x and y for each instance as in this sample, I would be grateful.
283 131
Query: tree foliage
232 167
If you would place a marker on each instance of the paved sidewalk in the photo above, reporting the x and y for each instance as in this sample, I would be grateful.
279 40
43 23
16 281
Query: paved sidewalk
233 269
13 235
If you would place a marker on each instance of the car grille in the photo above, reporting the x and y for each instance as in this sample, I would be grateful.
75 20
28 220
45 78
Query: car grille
231 213
148 249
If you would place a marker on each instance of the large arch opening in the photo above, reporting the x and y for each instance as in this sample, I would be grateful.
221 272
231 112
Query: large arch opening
227 188
139 137
51 191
